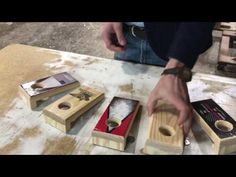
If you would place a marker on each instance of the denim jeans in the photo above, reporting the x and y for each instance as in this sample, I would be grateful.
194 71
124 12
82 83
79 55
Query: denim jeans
138 51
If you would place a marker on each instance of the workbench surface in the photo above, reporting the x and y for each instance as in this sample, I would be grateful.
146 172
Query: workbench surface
23 131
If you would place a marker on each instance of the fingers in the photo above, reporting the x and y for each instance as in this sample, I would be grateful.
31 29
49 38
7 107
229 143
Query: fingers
119 34
183 93
175 92
187 123
187 126
182 106
185 113
185 87
114 48
151 104
107 38
113 37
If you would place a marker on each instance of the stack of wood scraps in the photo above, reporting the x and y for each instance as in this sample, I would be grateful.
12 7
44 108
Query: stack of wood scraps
227 51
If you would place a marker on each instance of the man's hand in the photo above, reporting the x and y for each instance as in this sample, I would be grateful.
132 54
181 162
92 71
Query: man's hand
112 34
174 90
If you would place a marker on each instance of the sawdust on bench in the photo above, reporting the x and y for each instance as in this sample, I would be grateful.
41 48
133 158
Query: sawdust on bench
69 63
26 133
127 88
214 87
7 149
30 132
61 146
91 61
20 64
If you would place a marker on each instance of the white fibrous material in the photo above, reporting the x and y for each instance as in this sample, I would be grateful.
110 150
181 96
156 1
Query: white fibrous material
121 108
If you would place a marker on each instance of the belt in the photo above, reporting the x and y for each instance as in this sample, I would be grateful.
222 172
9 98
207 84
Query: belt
136 31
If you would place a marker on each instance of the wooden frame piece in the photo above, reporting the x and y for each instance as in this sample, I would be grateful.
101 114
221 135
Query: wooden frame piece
224 56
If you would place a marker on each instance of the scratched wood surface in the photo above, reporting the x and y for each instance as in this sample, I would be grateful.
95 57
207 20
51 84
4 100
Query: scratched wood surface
23 131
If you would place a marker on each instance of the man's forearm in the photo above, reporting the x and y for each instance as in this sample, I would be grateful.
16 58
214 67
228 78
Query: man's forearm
191 39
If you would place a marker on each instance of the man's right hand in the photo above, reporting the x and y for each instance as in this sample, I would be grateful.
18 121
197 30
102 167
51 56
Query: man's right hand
174 91
112 35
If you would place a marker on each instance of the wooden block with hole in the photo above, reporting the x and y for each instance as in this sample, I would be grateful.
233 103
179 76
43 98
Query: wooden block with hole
64 112
218 125
164 134
114 125
35 91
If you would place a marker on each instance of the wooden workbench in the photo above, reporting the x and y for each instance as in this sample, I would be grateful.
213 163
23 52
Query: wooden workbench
23 131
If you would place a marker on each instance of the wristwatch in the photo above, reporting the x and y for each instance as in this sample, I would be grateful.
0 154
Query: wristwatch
183 72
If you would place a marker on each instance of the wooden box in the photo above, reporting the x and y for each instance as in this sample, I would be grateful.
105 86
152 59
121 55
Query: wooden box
218 125
62 113
35 91
164 134
114 125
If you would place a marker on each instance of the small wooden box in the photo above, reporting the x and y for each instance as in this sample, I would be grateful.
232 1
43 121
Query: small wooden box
38 90
164 134
62 113
114 125
218 125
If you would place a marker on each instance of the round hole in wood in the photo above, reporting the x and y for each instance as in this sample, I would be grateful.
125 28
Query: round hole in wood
223 125
112 123
166 130
64 106
225 26
37 86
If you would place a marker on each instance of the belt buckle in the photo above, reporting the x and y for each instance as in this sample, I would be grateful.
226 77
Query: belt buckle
132 31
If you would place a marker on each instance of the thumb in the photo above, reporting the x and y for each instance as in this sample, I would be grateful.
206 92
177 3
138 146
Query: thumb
151 104
187 126
120 36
